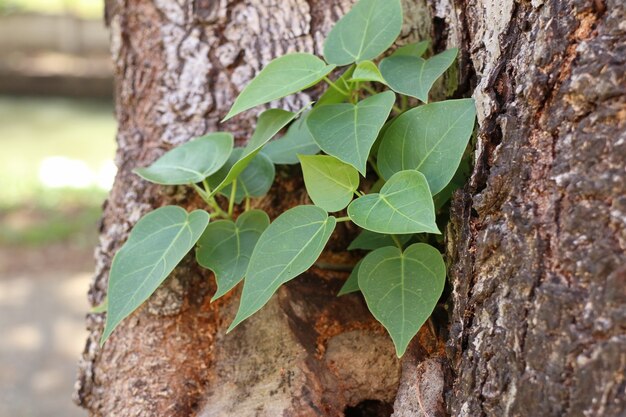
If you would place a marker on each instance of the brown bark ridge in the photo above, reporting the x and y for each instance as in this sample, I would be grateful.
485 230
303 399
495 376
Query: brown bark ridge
178 67
538 238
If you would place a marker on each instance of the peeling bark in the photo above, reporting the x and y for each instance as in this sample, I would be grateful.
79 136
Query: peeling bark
536 242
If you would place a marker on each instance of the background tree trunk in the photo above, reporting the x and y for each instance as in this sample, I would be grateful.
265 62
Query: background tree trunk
536 245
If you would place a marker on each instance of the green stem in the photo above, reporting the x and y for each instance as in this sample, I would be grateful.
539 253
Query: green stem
247 203
231 200
359 193
397 109
369 89
336 87
218 209
210 201
200 192
205 184
404 102
342 219
213 203
355 93
354 98
396 241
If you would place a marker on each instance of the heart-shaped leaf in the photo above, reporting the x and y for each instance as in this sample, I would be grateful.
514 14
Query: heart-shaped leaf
281 77
367 240
269 123
404 205
330 183
287 248
429 138
334 96
191 162
364 32
155 246
402 289
348 131
225 248
352 283
414 76
413 49
297 141
255 180
367 71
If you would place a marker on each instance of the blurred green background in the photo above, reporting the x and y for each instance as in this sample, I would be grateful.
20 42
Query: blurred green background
56 159
57 145
55 168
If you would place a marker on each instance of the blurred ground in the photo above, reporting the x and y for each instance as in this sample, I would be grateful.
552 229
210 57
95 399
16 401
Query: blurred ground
55 167
42 309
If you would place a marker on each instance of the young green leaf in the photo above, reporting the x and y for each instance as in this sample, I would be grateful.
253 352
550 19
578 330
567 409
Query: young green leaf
404 205
330 183
367 240
334 96
255 180
348 131
352 283
297 141
367 71
414 76
281 77
429 138
225 248
364 32
402 289
270 123
155 246
413 49
287 248
191 162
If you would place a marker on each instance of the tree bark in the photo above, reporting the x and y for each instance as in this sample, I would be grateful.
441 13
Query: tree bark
536 243
538 237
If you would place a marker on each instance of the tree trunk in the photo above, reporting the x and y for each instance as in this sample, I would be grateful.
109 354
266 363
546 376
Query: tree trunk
536 244
538 238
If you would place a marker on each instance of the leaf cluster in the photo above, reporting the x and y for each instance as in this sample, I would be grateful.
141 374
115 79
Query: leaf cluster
373 121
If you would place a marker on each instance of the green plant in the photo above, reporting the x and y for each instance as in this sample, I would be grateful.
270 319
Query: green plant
415 152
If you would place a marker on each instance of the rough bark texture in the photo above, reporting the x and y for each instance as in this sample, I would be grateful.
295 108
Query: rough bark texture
536 244
538 238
